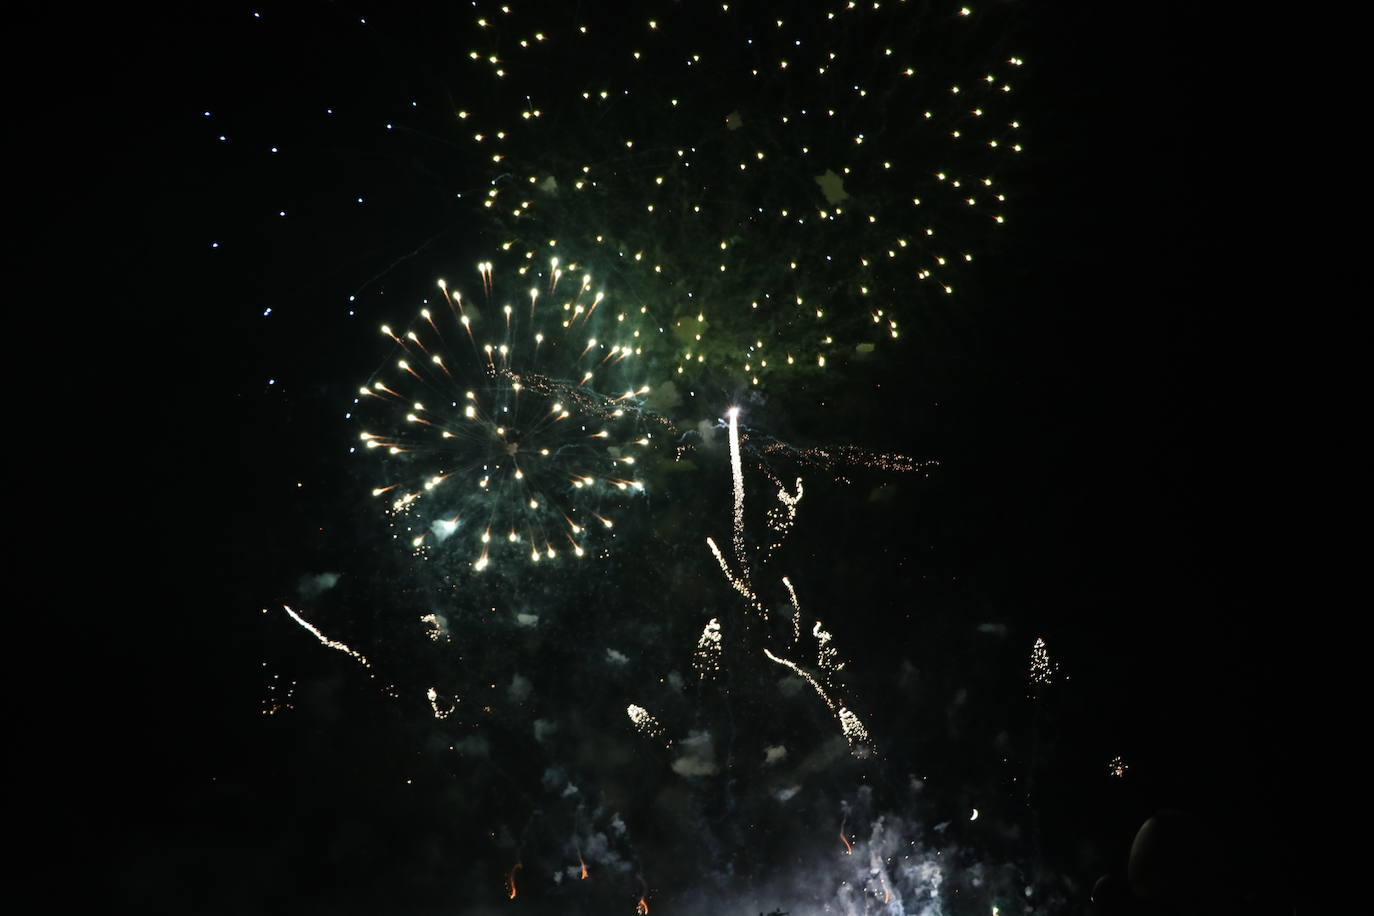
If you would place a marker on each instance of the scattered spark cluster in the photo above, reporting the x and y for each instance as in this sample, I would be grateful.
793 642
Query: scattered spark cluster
436 628
707 658
1041 668
278 695
783 516
442 706
508 423
852 728
750 161
837 458
1117 767
646 723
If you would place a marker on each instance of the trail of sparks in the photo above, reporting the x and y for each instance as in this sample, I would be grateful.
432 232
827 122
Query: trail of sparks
510 880
737 473
804 675
739 578
325 640
739 583
833 458
796 606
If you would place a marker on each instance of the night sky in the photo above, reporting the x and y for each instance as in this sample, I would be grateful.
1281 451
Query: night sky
235 197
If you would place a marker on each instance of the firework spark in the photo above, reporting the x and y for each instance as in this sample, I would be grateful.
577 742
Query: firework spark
436 628
507 427
1041 668
442 706
277 696
646 724
827 662
325 640
872 218
737 477
707 658
783 516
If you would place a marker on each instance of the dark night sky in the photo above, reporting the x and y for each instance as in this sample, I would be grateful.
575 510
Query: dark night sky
1110 476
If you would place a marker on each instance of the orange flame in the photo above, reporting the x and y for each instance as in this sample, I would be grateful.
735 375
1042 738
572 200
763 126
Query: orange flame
848 850
585 874
510 879
642 908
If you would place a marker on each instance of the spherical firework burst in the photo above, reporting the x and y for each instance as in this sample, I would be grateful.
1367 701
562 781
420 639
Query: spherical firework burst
510 425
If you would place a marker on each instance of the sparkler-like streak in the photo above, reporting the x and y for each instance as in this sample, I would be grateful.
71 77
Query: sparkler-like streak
510 880
738 582
850 725
804 675
738 577
325 640
737 475
796 606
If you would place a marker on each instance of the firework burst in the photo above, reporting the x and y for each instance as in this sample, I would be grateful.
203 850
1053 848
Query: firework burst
510 424
807 181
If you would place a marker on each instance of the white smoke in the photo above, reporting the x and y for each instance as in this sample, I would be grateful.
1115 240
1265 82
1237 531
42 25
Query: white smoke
699 758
